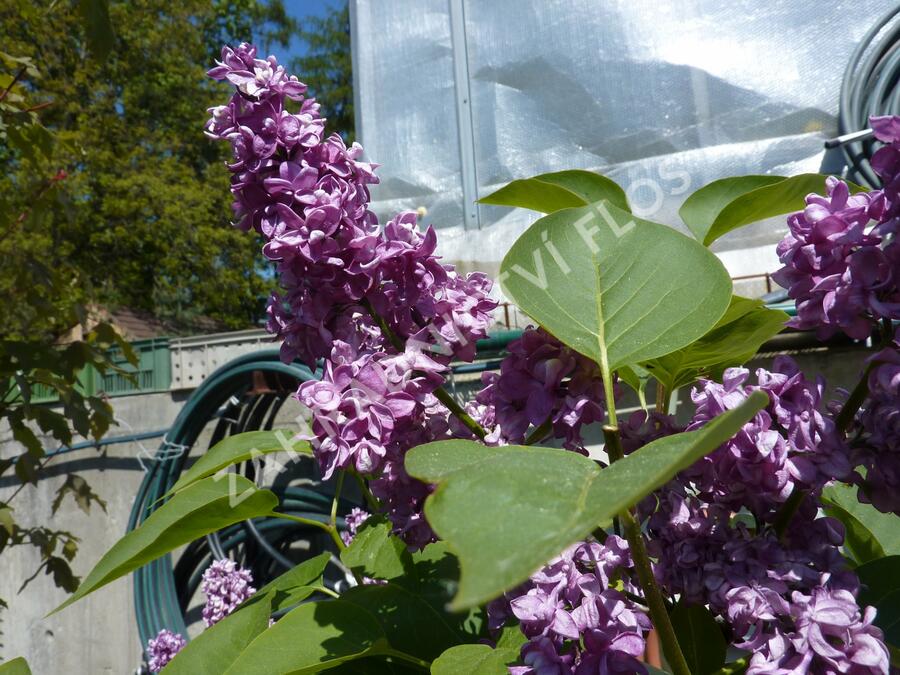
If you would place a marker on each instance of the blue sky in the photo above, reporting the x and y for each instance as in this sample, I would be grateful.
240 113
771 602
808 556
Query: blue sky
300 9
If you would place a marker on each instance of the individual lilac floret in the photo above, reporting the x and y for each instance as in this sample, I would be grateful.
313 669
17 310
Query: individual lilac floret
226 586
163 648
353 521
540 381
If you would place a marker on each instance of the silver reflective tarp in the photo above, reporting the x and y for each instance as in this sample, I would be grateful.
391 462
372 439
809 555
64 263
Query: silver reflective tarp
663 97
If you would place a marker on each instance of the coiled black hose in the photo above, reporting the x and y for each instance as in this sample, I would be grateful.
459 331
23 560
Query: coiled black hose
869 87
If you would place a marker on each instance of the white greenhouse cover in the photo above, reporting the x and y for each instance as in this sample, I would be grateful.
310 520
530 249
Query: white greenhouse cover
455 98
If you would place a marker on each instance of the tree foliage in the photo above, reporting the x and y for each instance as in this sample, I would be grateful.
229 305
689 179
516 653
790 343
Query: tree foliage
327 67
137 208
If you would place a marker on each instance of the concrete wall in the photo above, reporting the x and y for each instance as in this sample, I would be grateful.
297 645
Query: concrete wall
98 634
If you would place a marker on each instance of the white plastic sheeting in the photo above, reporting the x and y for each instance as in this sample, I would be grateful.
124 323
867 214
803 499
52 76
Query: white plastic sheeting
663 97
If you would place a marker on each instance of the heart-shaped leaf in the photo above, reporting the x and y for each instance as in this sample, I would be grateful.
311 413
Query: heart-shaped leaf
240 448
410 624
297 584
880 588
207 506
16 666
616 288
506 510
551 192
216 648
699 211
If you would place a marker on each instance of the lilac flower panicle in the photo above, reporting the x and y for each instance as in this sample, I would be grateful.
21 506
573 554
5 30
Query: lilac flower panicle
879 421
792 444
225 586
163 648
575 619
542 380
387 317
820 632
840 264
307 195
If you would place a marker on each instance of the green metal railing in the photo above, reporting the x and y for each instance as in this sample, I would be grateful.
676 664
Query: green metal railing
153 372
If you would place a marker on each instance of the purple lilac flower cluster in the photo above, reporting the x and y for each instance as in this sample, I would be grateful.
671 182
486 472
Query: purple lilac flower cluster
343 275
822 631
163 648
774 593
308 197
541 380
841 258
575 618
879 422
226 586
791 444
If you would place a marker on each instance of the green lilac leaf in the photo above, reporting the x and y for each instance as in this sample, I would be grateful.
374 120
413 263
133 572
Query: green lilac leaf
313 637
207 506
869 534
701 208
376 553
475 660
240 448
737 337
616 288
548 498
410 624
16 666
297 584
551 192
880 588
754 198
215 649
700 637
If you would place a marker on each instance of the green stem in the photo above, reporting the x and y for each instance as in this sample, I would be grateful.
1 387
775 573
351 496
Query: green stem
409 658
787 512
656 603
334 501
440 393
610 395
539 433
642 398
854 401
325 527
662 398
373 504
327 591
456 409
